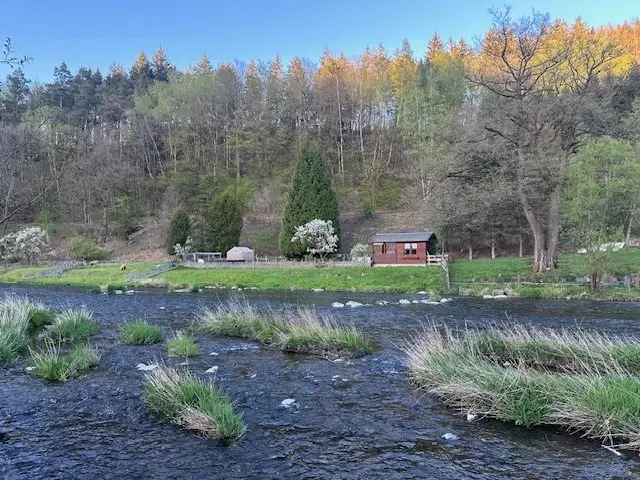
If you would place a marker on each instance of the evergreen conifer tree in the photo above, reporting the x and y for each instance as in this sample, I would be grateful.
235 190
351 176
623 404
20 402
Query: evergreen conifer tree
311 196
179 230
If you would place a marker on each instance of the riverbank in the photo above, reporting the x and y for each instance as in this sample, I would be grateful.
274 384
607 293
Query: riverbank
480 277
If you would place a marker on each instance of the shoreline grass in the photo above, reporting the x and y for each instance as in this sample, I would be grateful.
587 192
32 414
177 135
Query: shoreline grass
300 330
140 332
71 325
49 363
596 397
193 404
182 345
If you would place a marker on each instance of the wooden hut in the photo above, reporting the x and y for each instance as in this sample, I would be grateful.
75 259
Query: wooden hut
403 248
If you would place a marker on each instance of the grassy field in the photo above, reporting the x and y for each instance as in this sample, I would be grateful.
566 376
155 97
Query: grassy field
476 277
92 276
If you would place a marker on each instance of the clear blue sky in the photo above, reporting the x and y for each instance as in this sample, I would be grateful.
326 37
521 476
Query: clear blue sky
94 34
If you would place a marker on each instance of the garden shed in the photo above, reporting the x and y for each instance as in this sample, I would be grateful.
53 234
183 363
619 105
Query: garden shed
241 254
403 248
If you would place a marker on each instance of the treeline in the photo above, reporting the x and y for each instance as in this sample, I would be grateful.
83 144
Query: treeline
477 140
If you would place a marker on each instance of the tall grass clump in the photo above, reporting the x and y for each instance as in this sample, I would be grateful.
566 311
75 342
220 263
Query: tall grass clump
513 377
71 325
140 332
566 350
193 404
182 345
48 362
19 318
297 330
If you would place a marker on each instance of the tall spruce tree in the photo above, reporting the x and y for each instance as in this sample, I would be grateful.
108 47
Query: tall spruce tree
311 195
179 230
222 222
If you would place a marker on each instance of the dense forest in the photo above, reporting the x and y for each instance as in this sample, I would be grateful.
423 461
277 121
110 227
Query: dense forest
515 142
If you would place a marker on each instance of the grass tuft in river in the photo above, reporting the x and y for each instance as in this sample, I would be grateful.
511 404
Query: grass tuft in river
48 362
193 404
182 345
19 318
534 377
71 325
140 332
299 330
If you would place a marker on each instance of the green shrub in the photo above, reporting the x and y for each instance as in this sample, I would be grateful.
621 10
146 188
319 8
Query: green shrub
140 332
182 345
81 248
49 363
192 404
71 325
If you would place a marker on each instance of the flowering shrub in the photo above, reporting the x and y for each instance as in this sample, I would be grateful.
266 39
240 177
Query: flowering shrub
318 236
27 244
180 249
360 250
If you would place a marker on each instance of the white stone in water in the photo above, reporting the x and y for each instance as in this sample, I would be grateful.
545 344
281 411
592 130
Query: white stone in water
213 369
318 290
129 292
28 369
471 417
215 354
146 368
382 302
161 308
335 377
337 305
404 301
253 376
445 300
234 287
353 304
288 402
450 436
415 301
422 292
118 292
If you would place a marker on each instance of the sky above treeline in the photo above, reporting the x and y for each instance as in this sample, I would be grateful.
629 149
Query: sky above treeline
95 34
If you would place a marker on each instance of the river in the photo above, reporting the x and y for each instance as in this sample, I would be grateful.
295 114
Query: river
357 419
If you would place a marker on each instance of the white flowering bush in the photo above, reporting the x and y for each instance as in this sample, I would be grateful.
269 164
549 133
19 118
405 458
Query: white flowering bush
318 236
360 250
27 244
186 248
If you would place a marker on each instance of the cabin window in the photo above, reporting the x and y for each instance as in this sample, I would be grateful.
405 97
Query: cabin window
388 247
410 248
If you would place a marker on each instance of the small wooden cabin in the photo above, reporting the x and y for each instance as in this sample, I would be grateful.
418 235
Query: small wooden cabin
409 248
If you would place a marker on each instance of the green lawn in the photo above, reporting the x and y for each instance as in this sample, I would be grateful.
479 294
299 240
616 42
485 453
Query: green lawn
91 276
19 274
388 279
478 276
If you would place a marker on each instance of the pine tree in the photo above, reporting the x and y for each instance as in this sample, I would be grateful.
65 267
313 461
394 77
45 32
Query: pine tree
311 196
222 223
179 230
203 65
141 74
161 65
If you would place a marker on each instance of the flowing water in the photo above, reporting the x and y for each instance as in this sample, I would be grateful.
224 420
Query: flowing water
357 418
